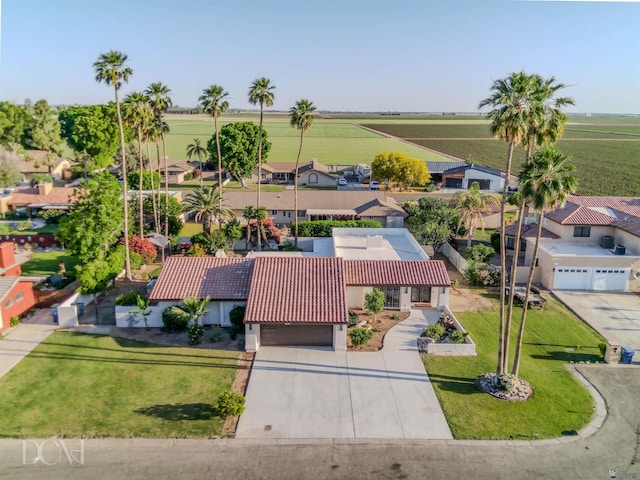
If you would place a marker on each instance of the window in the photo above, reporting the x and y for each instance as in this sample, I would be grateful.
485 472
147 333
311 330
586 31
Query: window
421 294
19 297
313 178
510 243
274 213
8 303
583 232
391 296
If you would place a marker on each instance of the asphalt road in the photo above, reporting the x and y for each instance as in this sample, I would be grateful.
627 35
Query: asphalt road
616 445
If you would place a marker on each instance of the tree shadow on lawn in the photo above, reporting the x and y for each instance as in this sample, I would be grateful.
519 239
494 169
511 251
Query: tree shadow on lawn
569 357
462 385
180 411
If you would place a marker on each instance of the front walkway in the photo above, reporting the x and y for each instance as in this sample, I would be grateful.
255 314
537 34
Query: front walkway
20 340
318 393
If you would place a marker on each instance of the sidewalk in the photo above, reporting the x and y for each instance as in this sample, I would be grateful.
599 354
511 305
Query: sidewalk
19 341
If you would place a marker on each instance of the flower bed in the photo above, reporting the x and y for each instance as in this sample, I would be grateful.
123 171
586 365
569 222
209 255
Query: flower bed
445 344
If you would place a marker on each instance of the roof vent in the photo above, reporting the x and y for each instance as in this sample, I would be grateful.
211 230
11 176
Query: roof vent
619 250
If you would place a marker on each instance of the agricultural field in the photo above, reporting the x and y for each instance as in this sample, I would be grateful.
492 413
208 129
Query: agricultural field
331 141
605 155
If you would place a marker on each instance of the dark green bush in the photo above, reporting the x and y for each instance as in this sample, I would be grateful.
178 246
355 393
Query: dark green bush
129 299
360 336
457 336
435 331
495 241
322 228
174 318
195 332
230 404
353 318
480 253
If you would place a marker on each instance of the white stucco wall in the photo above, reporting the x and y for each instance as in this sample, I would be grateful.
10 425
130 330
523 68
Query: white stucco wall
497 183
251 337
340 338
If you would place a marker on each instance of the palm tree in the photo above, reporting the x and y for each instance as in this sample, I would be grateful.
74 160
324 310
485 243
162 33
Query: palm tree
195 307
261 92
137 113
206 203
472 204
548 180
196 150
151 135
111 68
214 104
143 309
160 101
249 213
301 117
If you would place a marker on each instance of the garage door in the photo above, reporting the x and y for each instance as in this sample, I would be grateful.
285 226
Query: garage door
612 279
453 183
572 278
484 183
313 335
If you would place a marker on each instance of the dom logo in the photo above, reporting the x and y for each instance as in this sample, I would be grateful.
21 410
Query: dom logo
52 452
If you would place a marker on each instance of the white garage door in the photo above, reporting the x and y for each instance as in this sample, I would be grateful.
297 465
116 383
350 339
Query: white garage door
610 279
572 278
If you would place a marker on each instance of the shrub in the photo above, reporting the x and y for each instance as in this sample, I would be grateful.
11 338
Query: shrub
210 243
395 316
506 382
175 318
435 331
143 247
133 179
457 336
26 225
322 228
230 404
216 336
155 273
15 320
129 299
195 251
360 336
188 176
52 217
195 332
39 178
481 275
480 253
236 316
494 239
353 319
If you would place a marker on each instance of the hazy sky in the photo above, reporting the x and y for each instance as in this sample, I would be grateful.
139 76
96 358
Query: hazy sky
349 55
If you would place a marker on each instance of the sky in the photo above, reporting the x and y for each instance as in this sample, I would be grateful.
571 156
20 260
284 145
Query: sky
343 55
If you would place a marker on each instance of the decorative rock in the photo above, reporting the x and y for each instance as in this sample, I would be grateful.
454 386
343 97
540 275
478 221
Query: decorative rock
487 383
423 343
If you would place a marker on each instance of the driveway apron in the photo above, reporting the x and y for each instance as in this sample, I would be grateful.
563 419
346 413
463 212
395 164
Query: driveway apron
308 392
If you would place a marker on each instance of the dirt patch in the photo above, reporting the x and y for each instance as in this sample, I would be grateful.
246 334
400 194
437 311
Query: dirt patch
381 325
462 298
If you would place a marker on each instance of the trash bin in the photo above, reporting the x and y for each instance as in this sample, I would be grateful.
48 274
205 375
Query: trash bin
54 312
626 355
80 307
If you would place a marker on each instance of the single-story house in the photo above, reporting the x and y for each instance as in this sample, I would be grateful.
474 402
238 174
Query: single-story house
322 205
16 293
304 300
464 175
312 173
35 161
28 200
436 169
591 243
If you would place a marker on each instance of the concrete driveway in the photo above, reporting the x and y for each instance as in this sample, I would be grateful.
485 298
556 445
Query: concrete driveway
616 316
308 392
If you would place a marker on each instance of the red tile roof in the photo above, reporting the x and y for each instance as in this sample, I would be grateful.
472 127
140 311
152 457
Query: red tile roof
26 196
396 272
297 290
218 278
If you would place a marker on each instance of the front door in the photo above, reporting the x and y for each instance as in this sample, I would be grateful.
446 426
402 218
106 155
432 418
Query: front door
421 294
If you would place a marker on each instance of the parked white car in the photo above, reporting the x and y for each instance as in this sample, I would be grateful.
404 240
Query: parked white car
342 181
374 185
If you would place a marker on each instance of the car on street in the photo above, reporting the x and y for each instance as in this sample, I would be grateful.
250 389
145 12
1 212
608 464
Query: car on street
342 181
374 185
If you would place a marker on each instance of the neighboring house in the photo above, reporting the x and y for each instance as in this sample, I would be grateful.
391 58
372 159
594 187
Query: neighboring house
304 299
34 162
28 201
16 293
312 173
436 169
178 171
464 175
322 205
592 243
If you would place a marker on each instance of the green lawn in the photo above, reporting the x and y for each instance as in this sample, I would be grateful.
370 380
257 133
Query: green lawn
189 229
46 263
553 337
77 385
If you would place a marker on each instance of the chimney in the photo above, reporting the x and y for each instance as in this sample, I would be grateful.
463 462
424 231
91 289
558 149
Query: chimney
45 188
7 258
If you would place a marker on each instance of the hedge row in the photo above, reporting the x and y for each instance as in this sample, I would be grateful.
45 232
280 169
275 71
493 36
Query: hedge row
322 228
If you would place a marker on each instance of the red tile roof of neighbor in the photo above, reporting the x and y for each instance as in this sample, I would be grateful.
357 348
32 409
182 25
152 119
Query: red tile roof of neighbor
218 278
26 196
397 272
297 290
529 231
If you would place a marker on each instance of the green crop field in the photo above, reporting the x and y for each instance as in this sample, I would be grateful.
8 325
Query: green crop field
605 156
331 141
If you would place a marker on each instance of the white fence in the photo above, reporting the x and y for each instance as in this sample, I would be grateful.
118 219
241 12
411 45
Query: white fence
454 257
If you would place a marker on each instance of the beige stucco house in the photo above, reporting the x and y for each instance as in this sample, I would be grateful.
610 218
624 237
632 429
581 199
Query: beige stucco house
312 173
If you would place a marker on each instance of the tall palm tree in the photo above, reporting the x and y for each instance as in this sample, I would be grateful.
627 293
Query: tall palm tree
206 203
160 100
151 135
300 117
548 181
137 114
214 104
472 204
112 69
545 125
261 92
196 150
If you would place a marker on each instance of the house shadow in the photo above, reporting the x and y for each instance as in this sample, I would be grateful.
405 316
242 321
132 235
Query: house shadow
180 411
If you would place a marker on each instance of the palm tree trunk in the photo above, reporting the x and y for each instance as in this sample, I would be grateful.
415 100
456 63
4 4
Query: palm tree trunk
141 229
166 188
127 257
503 349
469 234
153 192
215 123
157 219
525 306
295 190
259 172
201 171
206 224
